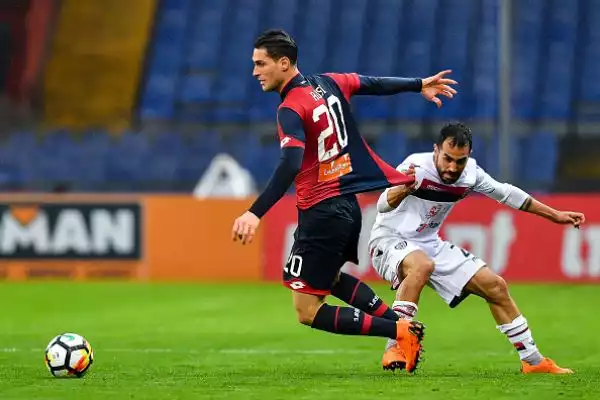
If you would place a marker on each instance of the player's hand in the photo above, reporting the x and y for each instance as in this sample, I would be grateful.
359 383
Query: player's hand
436 85
397 194
407 189
569 217
244 227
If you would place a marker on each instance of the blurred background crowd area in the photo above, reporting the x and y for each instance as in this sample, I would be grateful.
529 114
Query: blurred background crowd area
141 95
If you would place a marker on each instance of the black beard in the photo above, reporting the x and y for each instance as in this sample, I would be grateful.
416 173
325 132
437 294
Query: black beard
449 182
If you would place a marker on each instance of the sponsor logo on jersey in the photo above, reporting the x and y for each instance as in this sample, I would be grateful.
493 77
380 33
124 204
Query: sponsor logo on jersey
401 245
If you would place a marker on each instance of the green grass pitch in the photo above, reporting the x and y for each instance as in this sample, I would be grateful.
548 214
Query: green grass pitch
191 341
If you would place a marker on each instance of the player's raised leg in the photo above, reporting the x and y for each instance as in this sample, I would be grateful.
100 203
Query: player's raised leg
314 312
491 287
327 237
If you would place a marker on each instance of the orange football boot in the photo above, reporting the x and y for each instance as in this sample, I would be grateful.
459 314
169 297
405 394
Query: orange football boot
407 352
393 358
547 366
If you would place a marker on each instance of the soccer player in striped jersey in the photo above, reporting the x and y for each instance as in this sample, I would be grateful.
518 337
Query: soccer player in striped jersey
407 251
323 152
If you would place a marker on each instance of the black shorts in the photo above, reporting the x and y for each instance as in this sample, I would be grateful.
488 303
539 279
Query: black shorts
326 237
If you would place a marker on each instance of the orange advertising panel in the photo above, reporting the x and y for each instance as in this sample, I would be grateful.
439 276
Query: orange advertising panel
127 237
191 239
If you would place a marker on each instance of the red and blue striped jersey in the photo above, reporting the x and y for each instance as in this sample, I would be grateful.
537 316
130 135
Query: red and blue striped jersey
315 115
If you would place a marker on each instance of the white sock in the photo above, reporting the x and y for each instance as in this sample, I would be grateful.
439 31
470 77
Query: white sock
519 334
404 310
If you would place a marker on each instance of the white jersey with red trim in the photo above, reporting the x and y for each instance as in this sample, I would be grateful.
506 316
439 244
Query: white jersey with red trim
419 216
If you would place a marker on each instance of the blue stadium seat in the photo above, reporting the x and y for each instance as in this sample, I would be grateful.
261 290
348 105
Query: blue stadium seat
244 147
589 63
263 166
372 107
166 57
479 151
560 39
392 147
204 46
196 88
539 164
528 28
204 144
517 154
482 101
347 37
197 154
312 36
263 107
382 40
158 100
418 34
452 53
419 145
379 55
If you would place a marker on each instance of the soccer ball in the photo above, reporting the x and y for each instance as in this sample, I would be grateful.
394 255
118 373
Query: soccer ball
69 355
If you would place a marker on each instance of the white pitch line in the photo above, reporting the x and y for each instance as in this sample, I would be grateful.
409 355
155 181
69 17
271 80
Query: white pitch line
284 351
193 351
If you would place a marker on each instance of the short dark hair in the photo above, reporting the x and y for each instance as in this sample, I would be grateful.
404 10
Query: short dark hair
278 43
458 133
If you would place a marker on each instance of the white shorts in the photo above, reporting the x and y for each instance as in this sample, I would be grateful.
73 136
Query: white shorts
454 267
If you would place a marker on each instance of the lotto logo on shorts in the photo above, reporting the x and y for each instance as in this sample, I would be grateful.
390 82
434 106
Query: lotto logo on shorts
297 285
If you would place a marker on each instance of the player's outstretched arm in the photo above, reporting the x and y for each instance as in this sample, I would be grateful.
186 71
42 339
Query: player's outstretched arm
430 87
518 199
560 217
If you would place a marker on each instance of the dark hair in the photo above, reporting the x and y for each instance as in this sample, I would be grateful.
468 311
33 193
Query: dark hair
278 43
458 133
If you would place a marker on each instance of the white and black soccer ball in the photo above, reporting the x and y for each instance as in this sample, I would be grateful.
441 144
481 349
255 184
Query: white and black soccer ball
69 355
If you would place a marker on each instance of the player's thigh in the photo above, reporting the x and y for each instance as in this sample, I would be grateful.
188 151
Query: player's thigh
454 268
389 253
353 212
311 269
487 284
416 262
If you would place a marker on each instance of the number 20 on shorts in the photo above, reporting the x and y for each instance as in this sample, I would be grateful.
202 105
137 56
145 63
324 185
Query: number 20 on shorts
293 266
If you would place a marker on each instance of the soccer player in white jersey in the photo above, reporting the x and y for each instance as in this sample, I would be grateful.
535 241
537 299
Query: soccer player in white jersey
407 251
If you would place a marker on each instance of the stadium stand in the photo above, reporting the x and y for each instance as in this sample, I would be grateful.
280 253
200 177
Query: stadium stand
198 70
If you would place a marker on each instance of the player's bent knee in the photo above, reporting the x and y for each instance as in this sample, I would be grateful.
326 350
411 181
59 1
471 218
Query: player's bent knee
306 314
498 290
423 270
426 269
418 266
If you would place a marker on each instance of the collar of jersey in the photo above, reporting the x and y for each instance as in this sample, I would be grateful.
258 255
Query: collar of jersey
296 81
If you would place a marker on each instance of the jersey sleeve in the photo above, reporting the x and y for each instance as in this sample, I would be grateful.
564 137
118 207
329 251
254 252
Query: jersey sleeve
501 192
386 86
349 84
290 128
